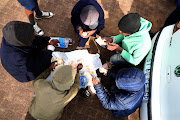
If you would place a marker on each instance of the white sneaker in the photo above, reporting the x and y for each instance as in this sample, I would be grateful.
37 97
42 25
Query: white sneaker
44 15
38 30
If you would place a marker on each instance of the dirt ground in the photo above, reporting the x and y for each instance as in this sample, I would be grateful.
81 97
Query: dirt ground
15 97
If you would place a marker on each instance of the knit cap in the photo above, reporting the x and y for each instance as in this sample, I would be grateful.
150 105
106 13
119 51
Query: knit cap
89 16
130 23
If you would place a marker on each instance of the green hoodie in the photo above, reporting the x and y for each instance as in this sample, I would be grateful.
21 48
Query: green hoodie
137 45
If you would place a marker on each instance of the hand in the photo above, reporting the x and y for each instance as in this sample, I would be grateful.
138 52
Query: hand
85 34
108 39
80 31
95 81
103 70
53 42
52 66
114 46
91 33
79 67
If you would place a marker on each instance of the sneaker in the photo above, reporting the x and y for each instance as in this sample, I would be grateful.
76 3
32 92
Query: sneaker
38 30
44 15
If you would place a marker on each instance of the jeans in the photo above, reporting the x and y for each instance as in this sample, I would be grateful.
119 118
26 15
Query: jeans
29 4
82 41
116 59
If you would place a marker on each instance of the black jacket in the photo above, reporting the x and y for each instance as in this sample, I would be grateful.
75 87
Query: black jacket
25 63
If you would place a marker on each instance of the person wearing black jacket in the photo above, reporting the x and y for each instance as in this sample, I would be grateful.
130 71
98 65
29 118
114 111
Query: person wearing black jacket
22 53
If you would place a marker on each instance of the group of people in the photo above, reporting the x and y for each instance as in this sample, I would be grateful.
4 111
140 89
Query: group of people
24 57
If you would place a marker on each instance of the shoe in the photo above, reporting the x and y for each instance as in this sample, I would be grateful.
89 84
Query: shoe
38 30
44 15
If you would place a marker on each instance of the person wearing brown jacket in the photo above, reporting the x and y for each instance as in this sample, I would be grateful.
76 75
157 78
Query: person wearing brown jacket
51 97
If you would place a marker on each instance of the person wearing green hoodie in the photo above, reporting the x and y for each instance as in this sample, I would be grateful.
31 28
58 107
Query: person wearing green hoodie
51 97
134 38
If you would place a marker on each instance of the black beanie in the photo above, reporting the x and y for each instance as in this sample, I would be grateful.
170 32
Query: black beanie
130 23
18 33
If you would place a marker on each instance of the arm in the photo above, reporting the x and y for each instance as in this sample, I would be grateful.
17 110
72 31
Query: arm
40 42
101 20
43 75
46 73
75 15
111 74
90 33
101 23
108 101
118 38
73 90
135 58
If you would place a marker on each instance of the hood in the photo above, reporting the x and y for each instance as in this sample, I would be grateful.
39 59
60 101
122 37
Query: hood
145 27
18 33
63 77
130 79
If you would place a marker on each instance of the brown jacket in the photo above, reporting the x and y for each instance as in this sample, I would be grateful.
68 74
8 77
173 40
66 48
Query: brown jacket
50 97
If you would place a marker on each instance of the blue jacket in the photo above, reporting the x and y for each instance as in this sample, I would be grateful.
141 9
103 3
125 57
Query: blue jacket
75 15
126 93
25 63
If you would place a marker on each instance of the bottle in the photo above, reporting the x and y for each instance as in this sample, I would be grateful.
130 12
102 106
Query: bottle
83 82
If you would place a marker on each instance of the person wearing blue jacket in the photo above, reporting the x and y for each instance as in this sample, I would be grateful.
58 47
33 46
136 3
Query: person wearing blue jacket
127 90
87 17
22 53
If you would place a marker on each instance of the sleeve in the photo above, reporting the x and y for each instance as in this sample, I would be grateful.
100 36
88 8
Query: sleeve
39 44
101 19
41 84
134 59
75 15
111 74
43 75
108 101
73 90
118 38
101 23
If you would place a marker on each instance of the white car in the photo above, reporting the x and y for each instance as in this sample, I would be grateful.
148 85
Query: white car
161 100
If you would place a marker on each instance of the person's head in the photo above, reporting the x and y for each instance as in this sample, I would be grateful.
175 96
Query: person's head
18 33
129 24
130 79
89 16
63 77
